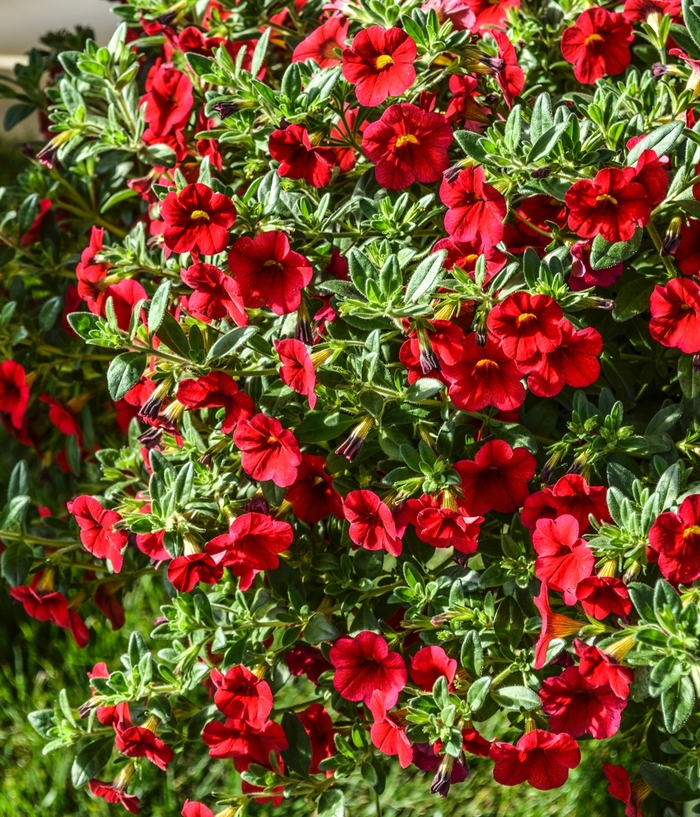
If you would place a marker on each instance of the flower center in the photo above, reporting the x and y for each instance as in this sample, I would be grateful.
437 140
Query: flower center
693 530
199 215
606 198
593 38
526 317
407 139
271 440
489 365
383 61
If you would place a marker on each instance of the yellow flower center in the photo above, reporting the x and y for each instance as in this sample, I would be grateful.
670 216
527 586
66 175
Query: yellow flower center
526 317
593 38
199 215
407 139
486 364
605 197
383 61
693 530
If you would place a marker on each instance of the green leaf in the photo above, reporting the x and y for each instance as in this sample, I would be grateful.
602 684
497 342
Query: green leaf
509 623
542 119
159 303
16 561
118 198
677 704
260 53
16 114
423 389
605 254
319 629
297 757
231 341
171 334
477 693
513 128
516 697
661 140
19 481
82 323
90 761
202 66
426 277
547 142
667 782
50 311
42 720
124 373
331 804
632 299
472 144
688 377
471 654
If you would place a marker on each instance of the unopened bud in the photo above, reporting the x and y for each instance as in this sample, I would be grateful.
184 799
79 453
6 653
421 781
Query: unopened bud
353 445
225 109
443 777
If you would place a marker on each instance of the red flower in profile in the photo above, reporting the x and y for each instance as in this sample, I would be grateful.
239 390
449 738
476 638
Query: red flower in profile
299 159
429 664
14 391
600 669
554 626
497 478
371 524
42 602
490 15
197 220
297 369
379 64
34 232
407 145
475 209
444 526
676 538
241 695
305 660
270 452
631 794
602 595
319 727
569 495
312 494
612 205
217 390
97 530
268 272
675 315
484 377
186 572
387 734
139 741
216 295
597 44
687 255
168 100
526 325
245 742
89 271
115 793
364 664
578 707
509 75
584 276
251 545
541 758
325 44
60 417
125 295
652 175
563 558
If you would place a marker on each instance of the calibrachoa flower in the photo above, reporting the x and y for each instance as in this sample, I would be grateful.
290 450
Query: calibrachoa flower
497 478
364 665
245 742
325 44
197 220
526 325
601 596
541 758
569 495
269 451
371 524
299 159
379 64
240 694
312 494
217 390
675 315
598 44
429 664
14 391
216 294
387 733
475 209
563 558
554 625
676 538
97 532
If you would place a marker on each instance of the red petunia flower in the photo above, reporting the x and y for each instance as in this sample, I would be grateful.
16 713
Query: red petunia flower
297 369
675 315
631 794
526 325
252 544
379 64
168 100
14 391
429 664
458 12
318 726
197 220
475 209
554 626
601 670
597 44
268 272
186 572
43 603
305 660
676 538
497 478
125 295
115 793
299 159
245 742
563 558
602 595
428 348
217 390
97 530
541 758
60 417
216 295
651 174
509 75
489 14
407 145
387 734
195 809
139 741
371 524
465 254
241 695
484 377
641 10
578 707
612 205
325 44
687 255
270 452
364 664
584 276
570 495
312 494
444 526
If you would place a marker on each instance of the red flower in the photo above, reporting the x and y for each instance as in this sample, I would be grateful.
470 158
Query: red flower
34 232
60 417
216 295
319 727
380 64
114 793
582 273
241 695
484 377
620 788
197 220
563 558
597 44
312 495
268 272
445 526
217 390
688 253
541 758
509 75
43 604
252 545
125 295
14 391
554 626
305 660
426 350
429 664
652 175
371 524
612 204
601 670
641 10
247 743
325 44
676 538
387 733
168 100
462 18
270 452
526 325
297 369
570 495
475 209
465 254
139 741
185 572
299 159
578 707
573 363
407 145
97 530
496 479
195 809
364 664
603 595
675 315
489 15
